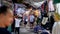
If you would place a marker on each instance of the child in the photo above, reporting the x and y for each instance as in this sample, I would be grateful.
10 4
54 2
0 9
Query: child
31 20
25 19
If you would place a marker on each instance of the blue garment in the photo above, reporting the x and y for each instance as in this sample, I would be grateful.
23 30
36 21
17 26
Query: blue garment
44 33
25 17
4 31
32 18
37 28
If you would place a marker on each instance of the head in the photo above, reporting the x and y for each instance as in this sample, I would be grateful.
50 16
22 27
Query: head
56 17
6 15
29 8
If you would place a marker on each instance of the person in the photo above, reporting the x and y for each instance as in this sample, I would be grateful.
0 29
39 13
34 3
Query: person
6 19
40 30
56 26
39 17
17 24
31 20
20 12
25 19
28 10
26 15
36 14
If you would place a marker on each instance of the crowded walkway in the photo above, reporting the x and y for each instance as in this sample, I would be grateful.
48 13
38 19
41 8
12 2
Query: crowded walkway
29 17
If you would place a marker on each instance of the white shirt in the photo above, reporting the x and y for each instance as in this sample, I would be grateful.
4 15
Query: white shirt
56 28
17 22
50 5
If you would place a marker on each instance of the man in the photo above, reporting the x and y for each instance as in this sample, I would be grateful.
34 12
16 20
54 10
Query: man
17 24
6 19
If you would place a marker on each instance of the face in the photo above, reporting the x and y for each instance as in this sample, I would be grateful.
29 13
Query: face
8 18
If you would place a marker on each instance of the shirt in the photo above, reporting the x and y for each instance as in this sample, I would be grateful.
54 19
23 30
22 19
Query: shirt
4 31
26 18
37 28
17 22
32 18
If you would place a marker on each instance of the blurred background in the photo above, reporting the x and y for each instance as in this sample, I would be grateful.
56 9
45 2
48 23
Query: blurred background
43 11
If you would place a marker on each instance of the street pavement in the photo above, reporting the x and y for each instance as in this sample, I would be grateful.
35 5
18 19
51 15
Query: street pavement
26 30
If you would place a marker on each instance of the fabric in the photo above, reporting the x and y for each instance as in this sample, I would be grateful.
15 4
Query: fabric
44 33
25 22
50 6
31 22
56 28
37 28
20 11
17 22
9 28
17 30
58 8
25 18
4 31
32 18
45 19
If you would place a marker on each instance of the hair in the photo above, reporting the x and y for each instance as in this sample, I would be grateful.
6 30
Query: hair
28 7
57 17
3 9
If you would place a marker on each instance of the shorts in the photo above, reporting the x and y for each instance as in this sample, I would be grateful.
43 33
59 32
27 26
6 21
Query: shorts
31 22
25 22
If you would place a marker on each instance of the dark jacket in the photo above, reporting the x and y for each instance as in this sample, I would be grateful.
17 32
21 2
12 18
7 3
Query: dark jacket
4 31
